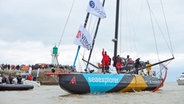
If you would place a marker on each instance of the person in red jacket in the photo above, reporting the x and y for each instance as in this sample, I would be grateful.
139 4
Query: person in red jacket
105 61
30 77
118 64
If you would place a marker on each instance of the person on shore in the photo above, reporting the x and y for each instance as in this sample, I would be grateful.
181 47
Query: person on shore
19 79
105 61
30 77
148 67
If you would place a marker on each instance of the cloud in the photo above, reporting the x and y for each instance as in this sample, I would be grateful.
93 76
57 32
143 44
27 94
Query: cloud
29 30
24 52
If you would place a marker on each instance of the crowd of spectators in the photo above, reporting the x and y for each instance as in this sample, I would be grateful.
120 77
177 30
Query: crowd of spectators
34 67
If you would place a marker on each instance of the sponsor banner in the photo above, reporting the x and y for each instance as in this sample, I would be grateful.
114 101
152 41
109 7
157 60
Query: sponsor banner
95 7
102 82
83 38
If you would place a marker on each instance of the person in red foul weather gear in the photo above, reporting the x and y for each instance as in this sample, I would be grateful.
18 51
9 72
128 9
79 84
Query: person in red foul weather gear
118 64
105 61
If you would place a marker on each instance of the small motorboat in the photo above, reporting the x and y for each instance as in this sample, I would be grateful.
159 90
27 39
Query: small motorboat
30 82
10 87
180 80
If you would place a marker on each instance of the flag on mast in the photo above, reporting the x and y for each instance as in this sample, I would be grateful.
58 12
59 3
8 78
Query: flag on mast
95 7
83 38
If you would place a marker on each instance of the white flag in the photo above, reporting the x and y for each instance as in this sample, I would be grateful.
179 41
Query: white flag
95 8
83 38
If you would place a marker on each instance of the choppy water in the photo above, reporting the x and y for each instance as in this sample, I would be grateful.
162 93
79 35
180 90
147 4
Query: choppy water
171 93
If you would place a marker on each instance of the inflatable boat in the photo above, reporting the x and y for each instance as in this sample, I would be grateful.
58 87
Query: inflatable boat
10 87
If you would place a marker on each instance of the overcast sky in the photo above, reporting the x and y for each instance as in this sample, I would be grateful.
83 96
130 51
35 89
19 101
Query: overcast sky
29 29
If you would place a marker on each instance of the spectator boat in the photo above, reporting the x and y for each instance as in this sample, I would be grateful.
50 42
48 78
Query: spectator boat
11 87
180 80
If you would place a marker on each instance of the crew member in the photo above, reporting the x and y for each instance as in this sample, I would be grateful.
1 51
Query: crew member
118 64
105 61
148 67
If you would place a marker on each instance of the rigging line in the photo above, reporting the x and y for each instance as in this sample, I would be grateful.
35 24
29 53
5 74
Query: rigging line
167 43
91 28
90 22
120 42
94 37
94 25
121 19
162 33
153 28
167 27
130 31
120 25
66 23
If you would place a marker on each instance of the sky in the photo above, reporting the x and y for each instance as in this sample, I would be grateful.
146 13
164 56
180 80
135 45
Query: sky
29 29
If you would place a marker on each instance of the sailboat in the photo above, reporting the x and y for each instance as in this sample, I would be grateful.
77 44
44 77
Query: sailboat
90 82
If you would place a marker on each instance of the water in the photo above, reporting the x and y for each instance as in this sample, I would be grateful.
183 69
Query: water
171 93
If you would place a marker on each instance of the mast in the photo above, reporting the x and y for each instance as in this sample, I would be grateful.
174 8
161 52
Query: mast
78 49
115 40
98 23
